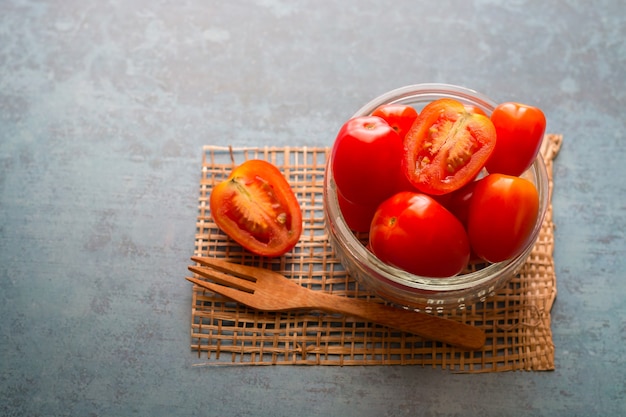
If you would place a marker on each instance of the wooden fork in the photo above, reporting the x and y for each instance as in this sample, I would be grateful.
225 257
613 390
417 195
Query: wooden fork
267 290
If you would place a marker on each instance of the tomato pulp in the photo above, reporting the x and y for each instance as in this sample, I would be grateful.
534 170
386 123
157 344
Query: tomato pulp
447 147
257 208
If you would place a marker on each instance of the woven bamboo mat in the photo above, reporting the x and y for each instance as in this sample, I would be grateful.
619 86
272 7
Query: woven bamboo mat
516 319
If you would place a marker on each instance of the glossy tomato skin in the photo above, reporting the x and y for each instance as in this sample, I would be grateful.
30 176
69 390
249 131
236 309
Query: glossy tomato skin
257 208
502 215
358 217
413 232
458 201
447 147
399 116
520 129
365 160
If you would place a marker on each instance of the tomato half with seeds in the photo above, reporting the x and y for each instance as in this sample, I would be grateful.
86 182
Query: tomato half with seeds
502 215
520 129
413 232
447 147
399 116
257 208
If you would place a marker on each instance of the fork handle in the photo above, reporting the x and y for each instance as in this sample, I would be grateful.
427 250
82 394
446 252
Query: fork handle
422 324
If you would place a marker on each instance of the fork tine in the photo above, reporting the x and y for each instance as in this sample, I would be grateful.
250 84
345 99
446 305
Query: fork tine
243 271
233 293
224 279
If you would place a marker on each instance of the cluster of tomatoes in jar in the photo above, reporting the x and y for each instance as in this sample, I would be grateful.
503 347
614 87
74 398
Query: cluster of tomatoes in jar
441 187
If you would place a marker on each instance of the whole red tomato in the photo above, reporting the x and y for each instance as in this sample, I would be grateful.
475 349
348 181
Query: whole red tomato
257 208
502 214
415 233
358 217
399 116
365 160
520 129
447 147
458 201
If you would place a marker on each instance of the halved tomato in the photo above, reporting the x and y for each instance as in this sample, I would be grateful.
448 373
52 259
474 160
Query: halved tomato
257 208
447 147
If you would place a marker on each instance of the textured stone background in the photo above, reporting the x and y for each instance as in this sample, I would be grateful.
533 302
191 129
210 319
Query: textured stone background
104 108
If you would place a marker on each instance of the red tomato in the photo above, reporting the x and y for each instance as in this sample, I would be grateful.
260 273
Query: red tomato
399 116
256 207
357 217
402 183
471 108
414 232
520 129
447 147
458 201
502 214
365 160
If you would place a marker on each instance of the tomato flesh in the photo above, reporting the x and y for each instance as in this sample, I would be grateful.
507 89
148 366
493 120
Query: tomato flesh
256 207
447 147
501 216
414 232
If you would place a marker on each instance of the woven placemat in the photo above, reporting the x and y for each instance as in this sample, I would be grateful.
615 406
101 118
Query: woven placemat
516 319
